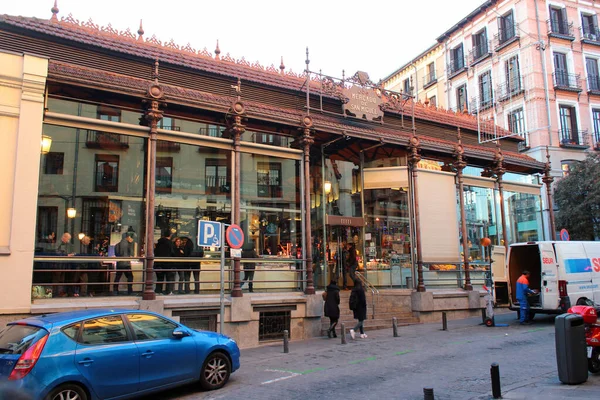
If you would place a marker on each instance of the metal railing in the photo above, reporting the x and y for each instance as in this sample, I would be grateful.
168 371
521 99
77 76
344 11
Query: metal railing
505 35
374 291
98 139
456 65
597 140
560 27
571 137
566 81
512 87
590 34
429 79
479 52
452 274
594 83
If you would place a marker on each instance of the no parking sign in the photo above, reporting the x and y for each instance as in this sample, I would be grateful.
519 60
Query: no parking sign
234 236
564 235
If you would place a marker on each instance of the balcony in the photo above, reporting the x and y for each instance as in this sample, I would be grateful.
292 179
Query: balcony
509 89
590 35
429 80
506 36
597 140
456 67
523 146
594 85
572 138
566 81
168 147
479 53
561 29
106 140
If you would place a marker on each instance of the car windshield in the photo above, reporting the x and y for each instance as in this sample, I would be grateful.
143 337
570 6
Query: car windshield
16 339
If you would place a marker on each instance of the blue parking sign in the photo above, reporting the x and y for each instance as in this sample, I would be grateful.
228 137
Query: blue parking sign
209 234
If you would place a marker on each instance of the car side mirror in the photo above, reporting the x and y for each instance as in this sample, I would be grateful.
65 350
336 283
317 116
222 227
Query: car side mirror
179 333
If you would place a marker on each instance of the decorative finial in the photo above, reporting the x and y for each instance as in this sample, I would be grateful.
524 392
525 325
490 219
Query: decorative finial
547 155
426 102
307 60
281 66
155 72
54 12
217 51
238 88
140 32
458 135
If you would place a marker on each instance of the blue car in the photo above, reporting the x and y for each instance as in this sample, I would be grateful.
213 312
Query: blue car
109 354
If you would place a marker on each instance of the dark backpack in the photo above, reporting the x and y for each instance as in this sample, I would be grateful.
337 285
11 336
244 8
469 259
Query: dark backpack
353 301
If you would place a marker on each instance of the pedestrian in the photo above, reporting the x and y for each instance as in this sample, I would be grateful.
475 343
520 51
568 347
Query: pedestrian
177 267
187 248
344 264
352 261
124 249
332 307
59 276
163 248
249 252
522 291
358 305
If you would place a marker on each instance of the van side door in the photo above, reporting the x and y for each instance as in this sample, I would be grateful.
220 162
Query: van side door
549 283
592 249
575 267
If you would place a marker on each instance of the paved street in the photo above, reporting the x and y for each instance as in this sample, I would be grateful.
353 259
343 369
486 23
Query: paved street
455 363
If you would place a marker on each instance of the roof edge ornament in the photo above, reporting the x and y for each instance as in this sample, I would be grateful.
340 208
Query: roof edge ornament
217 51
140 32
54 10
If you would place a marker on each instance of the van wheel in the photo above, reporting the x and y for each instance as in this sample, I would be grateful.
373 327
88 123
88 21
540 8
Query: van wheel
215 371
594 362
67 392
584 301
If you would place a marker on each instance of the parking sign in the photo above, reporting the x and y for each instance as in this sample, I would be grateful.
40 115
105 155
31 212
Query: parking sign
209 234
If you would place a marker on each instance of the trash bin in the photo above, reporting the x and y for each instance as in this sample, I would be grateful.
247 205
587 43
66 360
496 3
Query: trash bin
571 349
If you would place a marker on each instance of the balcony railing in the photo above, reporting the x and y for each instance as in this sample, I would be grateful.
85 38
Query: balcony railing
597 140
505 36
106 140
566 81
510 88
479 52
571 137
594 84
560 28
163 145
429 80
456 66
590 35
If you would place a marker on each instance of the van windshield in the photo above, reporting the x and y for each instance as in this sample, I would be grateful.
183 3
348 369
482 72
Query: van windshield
16 339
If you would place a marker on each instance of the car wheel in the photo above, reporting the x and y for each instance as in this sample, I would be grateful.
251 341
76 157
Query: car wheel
215 371
68 392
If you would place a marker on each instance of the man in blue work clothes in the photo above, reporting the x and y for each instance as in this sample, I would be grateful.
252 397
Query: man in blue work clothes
522 292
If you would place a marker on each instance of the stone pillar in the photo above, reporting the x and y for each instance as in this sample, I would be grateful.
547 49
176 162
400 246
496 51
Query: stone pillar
413 159
307 141
236 129
499 171
459 166
152 116
548 179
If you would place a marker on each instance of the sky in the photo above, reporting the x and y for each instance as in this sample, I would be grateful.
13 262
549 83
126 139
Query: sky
373 36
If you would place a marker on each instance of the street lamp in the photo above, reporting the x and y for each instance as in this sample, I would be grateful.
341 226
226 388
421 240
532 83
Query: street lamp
327 187
46 143
71 212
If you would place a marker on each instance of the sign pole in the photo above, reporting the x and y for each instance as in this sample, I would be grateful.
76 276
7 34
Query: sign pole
222 294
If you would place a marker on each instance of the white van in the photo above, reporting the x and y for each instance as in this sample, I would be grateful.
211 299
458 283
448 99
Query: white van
566 273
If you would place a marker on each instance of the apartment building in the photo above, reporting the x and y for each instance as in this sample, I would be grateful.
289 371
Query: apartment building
530 67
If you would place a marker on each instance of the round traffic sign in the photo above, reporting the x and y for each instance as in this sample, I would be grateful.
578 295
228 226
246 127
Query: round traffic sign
564 235
234 236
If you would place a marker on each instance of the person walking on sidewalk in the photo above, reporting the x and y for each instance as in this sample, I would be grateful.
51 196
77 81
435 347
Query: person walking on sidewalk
332 307
358 305
522 292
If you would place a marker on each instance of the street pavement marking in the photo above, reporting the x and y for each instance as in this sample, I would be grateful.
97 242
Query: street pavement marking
363 360
293 375
534 330
399 353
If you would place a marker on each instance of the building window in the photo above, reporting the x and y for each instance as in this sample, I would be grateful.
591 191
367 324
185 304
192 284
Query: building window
164 174
168 123
269 179
461 97
433 101
485 89
596 122
565 166
430 73
506 27
568 125
516 122
106 113
591 65
561 70
107 173
54 163
47 218
406 87
480 45
558 21
513 76
216 176
589 27
457 59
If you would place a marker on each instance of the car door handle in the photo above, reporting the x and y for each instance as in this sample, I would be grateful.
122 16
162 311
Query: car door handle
87 361
148 354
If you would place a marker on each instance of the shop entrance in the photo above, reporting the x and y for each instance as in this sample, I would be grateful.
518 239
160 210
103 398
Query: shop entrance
344 237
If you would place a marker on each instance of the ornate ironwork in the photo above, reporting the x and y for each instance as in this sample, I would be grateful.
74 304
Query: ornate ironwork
459 165
271 324
548 179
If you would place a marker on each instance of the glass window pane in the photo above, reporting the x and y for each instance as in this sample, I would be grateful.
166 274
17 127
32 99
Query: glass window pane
104 330
149 327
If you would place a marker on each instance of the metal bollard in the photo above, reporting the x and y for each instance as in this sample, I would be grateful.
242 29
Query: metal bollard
495 372
286 342
444 322
428 394
343 334
395 326
483 315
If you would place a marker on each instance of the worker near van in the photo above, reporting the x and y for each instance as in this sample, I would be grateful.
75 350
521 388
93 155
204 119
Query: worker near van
522 291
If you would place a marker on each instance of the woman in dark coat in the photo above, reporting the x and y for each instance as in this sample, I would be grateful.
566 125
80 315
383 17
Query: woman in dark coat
332 307
359 309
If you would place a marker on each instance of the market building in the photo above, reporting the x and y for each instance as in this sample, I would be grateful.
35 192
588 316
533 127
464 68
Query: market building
143 141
